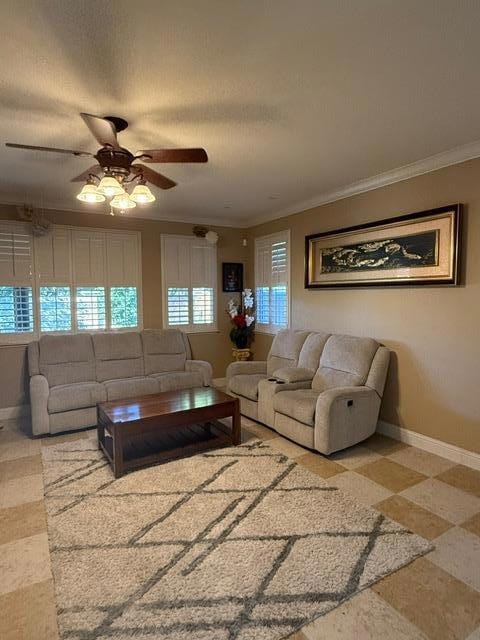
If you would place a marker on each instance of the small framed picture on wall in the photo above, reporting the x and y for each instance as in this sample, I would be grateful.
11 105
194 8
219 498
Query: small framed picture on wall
232 277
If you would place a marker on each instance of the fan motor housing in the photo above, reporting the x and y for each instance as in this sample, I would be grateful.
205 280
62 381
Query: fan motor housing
116 161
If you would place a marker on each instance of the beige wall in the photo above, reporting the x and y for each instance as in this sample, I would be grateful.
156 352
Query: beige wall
214 347
434 333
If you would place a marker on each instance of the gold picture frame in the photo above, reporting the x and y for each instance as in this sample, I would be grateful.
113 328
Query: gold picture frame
415 249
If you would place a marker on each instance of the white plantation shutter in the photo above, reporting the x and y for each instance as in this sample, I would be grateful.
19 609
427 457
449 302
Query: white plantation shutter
53 262
16 281
16 255
89 257
122 279
53 266
189 276
71 279
272 281
122 259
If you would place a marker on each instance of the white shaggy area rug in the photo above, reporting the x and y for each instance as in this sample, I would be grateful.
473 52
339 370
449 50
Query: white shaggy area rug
235 544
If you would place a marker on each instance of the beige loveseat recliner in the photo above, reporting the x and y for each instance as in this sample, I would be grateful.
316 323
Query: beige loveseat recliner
321 390
71 374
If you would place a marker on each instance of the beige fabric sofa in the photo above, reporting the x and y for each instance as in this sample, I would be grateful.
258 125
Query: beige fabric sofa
71 374
323 391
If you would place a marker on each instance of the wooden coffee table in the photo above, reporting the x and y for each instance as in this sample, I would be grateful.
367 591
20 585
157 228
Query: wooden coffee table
146 430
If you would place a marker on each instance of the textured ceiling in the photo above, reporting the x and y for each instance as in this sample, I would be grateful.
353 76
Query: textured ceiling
290 98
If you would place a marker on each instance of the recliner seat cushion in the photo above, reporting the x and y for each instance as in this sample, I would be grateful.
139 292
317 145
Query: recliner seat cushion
130 387
345 362
118 355
246 385
175 380
299 404
163 351
66 359
81 395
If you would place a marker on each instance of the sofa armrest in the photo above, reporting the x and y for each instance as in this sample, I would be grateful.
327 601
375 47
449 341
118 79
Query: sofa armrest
294 374
345 416
203 367
246 367
39 392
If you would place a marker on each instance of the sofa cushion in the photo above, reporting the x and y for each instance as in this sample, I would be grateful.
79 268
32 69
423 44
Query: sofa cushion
299 404
246 385
118 355
345 361
130 387
285 349
66 359
178 380
312 349
66 397
163 351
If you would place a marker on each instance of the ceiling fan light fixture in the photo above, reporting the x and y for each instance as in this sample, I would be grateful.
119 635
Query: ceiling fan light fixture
141 194
122 202
90 194
110 186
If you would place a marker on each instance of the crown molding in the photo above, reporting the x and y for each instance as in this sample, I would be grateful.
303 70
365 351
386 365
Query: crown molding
438 161
51 206
457 155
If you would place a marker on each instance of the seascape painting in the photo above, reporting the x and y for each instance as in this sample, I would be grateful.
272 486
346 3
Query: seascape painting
395 252
418 248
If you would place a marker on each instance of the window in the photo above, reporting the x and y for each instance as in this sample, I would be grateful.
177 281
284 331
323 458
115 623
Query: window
16 310
55 309
202 302
178 306
91 312
71 279
272 281
123 307
189 276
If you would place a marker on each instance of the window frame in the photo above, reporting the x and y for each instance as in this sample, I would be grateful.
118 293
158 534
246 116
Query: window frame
191 327
269 240
72 282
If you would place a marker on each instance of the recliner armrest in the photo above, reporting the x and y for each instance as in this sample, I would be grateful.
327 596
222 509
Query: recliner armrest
350 395
294 374
246 367
345 416
203 367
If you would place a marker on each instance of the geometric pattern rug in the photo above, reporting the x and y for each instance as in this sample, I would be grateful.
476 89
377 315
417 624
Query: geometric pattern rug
235 544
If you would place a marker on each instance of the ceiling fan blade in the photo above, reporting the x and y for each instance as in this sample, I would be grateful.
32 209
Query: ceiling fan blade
173 155
30 147
86 174
102 130
153 176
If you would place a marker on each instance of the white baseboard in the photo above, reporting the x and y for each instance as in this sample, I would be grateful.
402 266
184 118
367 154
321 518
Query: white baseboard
432 445
19 411
219 382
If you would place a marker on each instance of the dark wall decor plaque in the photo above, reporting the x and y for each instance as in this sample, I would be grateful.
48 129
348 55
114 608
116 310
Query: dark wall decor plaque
232 277
414 249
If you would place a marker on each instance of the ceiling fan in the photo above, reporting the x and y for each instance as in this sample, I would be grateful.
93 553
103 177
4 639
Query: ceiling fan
119 166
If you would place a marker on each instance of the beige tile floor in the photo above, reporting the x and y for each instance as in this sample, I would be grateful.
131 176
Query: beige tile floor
437 597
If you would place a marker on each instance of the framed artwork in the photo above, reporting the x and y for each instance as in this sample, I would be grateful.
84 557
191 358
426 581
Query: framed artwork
232 276
415 249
